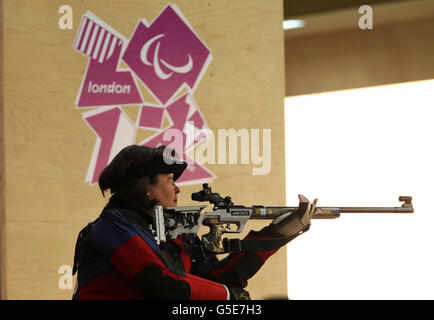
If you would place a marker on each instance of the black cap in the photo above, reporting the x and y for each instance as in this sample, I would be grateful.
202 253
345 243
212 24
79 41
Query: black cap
137 161
163 164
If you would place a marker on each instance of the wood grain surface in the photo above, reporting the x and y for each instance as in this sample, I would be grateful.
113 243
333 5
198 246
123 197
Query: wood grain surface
345 59
48 146
2 171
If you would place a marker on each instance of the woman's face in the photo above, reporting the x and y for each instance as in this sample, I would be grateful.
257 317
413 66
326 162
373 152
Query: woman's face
164 190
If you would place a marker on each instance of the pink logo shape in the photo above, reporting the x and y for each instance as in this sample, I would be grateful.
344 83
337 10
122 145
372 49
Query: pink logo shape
167 55
114 130
103 84
181 113
150 117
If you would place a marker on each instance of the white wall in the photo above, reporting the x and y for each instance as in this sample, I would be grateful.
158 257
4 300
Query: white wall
363 147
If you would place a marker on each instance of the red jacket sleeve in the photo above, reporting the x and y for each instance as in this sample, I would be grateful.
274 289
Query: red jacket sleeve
136 256
235 269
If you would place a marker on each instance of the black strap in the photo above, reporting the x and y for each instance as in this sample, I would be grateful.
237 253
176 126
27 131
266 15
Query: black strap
82 241
237 245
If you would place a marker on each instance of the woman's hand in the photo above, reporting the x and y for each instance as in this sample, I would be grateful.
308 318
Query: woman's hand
294 223
309 211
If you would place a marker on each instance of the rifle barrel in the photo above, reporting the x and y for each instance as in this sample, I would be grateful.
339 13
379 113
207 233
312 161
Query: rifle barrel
262 212
376 210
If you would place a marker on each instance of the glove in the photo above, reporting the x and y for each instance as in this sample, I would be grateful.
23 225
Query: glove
239 294
294 223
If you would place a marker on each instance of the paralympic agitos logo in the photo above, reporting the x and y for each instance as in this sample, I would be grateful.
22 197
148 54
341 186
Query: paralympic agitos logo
166 57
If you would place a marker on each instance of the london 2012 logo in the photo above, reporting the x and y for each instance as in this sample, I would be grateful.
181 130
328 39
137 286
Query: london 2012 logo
168 59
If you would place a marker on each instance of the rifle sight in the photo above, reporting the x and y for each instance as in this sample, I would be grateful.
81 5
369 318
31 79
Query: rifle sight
206 194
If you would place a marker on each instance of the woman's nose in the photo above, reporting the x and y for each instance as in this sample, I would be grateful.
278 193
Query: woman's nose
176 188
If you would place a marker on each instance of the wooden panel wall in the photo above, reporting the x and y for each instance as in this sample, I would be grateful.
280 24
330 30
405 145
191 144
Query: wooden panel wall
2 170
398 52
48 145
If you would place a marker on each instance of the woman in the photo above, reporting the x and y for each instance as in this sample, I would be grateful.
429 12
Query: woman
117 257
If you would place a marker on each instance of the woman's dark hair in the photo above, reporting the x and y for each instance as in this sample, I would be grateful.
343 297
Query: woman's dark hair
125 178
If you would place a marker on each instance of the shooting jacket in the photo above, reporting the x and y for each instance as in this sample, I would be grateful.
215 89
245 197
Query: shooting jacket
117 257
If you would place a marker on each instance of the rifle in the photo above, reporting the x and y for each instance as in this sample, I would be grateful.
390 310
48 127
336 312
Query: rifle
171 222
